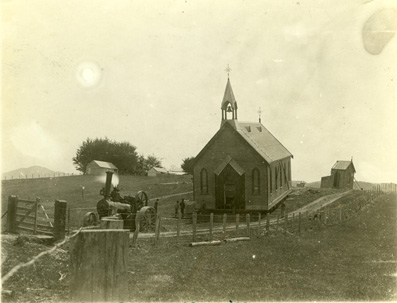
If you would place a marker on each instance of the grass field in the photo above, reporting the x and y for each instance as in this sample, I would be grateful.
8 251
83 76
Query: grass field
354 260
70 189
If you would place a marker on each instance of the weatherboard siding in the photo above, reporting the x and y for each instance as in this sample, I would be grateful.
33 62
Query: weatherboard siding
229 143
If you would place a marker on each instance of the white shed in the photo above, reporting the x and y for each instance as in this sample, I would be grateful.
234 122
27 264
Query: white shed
154 171
96 167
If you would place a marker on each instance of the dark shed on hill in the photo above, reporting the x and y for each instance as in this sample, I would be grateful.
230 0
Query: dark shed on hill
342 176
243 166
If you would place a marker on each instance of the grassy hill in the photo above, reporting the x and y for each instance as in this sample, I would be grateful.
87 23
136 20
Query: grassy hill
70 189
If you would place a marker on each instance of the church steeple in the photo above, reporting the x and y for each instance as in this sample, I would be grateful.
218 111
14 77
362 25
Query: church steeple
229 104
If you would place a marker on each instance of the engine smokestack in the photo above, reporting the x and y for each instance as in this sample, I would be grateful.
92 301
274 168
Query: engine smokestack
109 176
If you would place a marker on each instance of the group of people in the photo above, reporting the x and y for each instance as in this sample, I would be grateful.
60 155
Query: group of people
180 206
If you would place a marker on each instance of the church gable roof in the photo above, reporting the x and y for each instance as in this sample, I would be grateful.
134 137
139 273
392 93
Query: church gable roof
257 136
261 140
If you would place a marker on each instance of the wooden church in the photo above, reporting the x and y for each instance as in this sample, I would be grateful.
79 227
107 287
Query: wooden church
243 167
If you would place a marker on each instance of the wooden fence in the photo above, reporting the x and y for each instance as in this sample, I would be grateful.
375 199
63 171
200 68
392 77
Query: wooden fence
225 226
38 176
219 226
30 216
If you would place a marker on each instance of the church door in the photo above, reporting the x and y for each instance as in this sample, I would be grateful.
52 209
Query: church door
337 180
230 193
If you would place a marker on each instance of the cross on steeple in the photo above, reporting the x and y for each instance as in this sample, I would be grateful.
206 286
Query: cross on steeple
260 112
228 70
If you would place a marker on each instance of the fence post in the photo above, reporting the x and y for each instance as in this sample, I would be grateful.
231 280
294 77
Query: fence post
299 223
224 226
178 226
307 219
60 219
211 224
36 210
137 227
194 225
267 222
157 234
292 222
98 269
12 214
286 222
247 218
259 224
237 223
68 221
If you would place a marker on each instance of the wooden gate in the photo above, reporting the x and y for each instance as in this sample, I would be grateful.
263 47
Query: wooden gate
24 215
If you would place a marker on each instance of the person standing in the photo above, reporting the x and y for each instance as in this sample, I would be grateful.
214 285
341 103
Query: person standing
182 207
176 209
156 204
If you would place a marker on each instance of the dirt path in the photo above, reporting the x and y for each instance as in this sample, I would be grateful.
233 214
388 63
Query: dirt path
321 202
170 196
317 204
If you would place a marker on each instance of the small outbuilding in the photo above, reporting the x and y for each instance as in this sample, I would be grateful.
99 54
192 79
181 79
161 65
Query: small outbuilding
342 176
155 171
96 167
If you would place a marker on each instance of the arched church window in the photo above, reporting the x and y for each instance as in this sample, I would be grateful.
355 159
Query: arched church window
204 181
286 177
255 181
281 175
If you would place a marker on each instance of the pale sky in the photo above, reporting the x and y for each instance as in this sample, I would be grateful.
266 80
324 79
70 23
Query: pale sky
153 73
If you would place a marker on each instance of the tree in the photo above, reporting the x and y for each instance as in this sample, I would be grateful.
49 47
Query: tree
152 161
122 154
145 164
187 165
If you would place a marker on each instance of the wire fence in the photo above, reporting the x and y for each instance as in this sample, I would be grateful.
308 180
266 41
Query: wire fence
34 259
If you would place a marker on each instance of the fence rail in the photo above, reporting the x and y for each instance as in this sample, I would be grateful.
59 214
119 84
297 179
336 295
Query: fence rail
214 227
27 215
38 176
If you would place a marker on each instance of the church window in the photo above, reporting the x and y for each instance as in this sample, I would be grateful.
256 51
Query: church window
271 180
204 181
281 175
286 172
276 177
255 182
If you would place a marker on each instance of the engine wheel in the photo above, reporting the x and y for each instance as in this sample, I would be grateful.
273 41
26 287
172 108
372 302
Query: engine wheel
147 216
141 199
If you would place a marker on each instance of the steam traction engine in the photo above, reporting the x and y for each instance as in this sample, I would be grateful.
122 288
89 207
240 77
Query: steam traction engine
113 205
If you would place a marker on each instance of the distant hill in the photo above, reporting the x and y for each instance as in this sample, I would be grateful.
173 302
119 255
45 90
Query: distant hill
29 172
